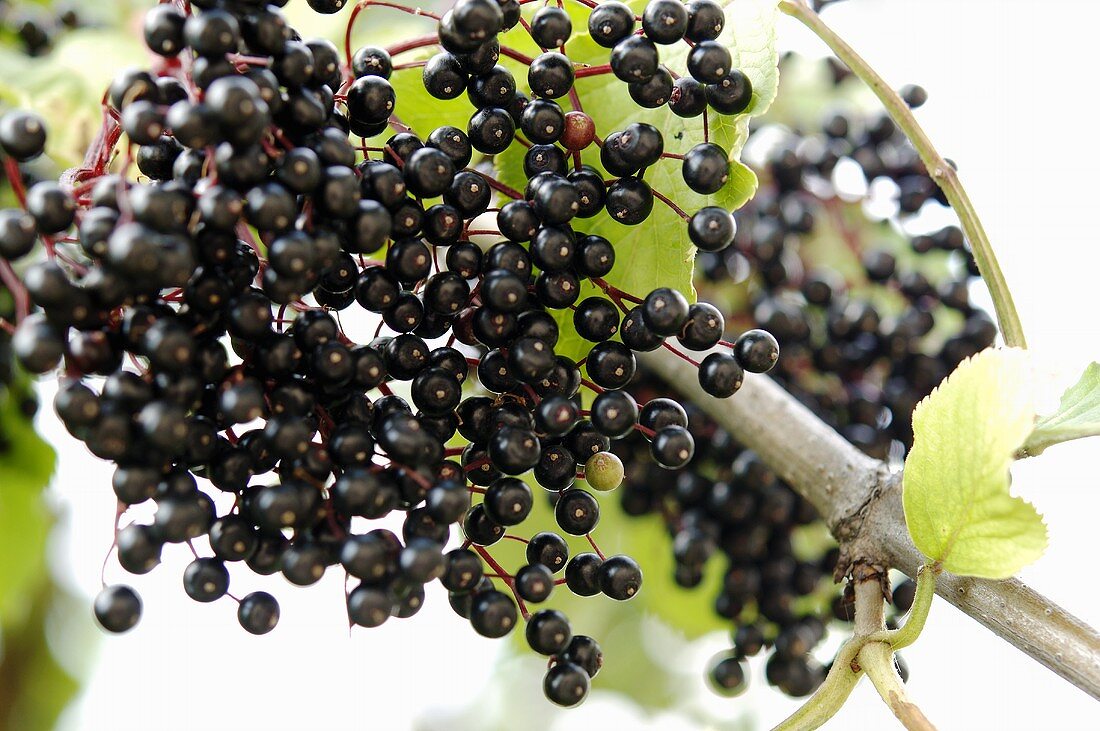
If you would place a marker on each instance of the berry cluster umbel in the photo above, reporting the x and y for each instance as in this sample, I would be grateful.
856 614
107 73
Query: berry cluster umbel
862 345
194 308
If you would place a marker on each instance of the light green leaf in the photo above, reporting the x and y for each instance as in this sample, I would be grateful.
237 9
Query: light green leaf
1078 415
956 480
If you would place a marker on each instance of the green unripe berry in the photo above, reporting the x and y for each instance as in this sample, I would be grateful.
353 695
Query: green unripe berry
604 471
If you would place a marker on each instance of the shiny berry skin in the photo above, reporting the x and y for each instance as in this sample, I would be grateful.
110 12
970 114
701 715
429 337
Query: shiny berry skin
756 351
665 311
585 652
551 27
548 549
491 130
620 577
548 631
721 375
206 579
566 684
117 608
577 512
534 583
493 614
610 22
727 676
706 168
18 233
665 21
672 447
709 62
732 95
629 200
712 228
22 135
580 131
258 613
634 59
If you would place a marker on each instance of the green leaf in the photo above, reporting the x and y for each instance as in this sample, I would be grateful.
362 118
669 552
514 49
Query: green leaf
1078 415
25 469
956 479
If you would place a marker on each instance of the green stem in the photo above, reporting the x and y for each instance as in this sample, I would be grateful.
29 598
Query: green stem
918 614
877 659
831 696
938 168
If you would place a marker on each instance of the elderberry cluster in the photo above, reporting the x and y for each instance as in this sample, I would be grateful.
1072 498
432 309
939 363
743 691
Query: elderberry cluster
194 300
860 350
726 502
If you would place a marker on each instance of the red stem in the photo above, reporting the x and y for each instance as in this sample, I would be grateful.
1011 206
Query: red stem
504 575
679 354
15 178
591 71
661 197
18 291
502 188
594 546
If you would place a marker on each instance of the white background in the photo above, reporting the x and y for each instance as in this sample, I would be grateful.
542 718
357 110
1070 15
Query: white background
1012 85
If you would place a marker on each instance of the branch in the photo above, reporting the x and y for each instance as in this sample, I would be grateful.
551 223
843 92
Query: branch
939 169
860 501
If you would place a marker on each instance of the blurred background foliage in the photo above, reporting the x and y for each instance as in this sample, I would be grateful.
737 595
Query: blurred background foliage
57 58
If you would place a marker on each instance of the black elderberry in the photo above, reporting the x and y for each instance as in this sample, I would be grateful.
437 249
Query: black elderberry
706 168
665 311
566 684
258 613
732 95
585 652
629 200
491 130
665 21
672 447
22 135
720 375
620 577
582 574
551 27
712 228
548 631
634 59
577 513
117 608
610 22
206 580
492 613
756 351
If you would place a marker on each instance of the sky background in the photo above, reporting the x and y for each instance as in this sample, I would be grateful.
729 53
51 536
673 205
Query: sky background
1010 102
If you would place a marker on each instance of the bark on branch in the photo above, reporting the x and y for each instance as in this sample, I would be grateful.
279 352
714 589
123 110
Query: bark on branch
860 500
